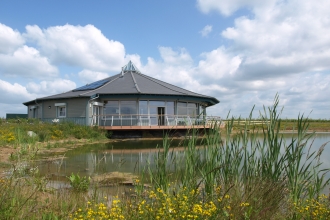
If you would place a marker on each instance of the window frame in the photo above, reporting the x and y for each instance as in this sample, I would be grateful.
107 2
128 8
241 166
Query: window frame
59 107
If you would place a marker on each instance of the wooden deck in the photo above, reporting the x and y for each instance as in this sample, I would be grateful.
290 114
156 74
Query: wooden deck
155 127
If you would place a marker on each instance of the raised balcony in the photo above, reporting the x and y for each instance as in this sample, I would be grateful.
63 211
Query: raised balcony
145 122
141 122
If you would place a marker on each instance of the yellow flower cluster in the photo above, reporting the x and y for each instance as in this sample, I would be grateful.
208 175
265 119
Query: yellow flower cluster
176 203
57 134
7 136
183 205
3 183
100 211
314 208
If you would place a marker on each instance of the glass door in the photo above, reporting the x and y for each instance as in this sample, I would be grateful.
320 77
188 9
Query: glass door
161 115
96 115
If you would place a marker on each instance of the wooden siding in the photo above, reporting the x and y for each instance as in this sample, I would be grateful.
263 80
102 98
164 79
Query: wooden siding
49 112
74 107
31 108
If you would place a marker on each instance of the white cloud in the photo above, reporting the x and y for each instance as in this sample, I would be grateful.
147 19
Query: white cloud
215 75
26 62
228 7
88 76
175 58
285 38
83 46
218 64
135 58
10 39
206 30
45 88
176 67
13 93
12 108
278 47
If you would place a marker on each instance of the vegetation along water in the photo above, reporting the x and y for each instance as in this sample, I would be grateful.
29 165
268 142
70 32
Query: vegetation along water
247 170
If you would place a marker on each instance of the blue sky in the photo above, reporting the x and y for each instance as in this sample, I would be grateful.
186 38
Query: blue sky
241 52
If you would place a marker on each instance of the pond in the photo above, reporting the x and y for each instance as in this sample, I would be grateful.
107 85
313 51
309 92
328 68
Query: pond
128 156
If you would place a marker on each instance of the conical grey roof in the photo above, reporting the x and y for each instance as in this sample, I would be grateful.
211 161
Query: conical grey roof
130 81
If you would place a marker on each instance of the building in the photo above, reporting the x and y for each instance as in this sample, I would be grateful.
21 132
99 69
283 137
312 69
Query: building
128 100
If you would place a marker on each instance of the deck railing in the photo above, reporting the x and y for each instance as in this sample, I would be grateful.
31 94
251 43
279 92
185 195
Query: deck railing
139 120
151 120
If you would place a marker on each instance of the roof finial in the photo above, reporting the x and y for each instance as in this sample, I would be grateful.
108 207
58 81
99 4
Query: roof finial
130 67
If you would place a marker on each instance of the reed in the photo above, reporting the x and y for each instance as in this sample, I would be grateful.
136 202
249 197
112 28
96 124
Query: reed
242 172
268 172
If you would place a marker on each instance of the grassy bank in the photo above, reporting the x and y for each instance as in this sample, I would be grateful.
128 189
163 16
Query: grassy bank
24 138
30 131
234 175
317 125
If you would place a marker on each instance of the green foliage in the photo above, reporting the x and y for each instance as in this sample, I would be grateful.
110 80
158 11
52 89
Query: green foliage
268 173
230 174
28 131
79 184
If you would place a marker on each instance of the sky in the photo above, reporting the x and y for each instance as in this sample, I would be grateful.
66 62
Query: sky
243 52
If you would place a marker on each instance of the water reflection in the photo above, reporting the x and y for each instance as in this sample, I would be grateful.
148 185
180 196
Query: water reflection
130 156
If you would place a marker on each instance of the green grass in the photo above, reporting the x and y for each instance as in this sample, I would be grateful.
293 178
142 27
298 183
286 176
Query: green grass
235 175
286 124
13 132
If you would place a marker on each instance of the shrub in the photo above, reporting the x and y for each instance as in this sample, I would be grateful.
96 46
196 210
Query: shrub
79 184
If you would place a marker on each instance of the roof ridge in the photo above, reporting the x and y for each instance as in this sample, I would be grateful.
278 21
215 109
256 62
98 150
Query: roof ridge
135 83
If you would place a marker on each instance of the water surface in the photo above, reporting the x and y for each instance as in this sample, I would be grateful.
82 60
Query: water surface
130 156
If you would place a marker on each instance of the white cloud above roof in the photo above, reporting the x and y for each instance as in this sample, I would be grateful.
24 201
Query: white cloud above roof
12 93
46 88
27 62
83 46
88 76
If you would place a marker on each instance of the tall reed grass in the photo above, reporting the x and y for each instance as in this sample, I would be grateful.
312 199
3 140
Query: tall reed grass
233 174
268 173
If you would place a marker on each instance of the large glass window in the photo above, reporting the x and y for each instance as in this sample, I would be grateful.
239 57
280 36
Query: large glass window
153 110
182 108
157 103
128 108
170 108
112 108
153 106
143 107
189 108
192 109
202 110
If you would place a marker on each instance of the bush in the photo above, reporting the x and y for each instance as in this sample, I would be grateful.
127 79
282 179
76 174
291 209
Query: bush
79 184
